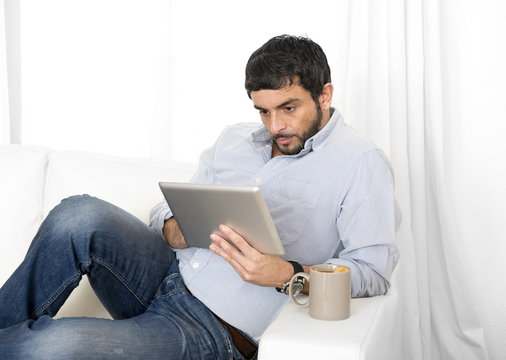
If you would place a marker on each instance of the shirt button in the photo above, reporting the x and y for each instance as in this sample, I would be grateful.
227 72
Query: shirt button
258 180
195 265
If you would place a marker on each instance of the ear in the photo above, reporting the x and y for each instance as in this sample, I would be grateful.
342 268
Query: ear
326 96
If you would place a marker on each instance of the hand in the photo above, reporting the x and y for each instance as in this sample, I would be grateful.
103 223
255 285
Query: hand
250 264
173 235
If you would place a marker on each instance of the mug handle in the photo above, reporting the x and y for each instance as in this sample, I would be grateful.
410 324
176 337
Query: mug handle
290 290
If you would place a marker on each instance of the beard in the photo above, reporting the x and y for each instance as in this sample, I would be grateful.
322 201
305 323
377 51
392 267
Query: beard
314 126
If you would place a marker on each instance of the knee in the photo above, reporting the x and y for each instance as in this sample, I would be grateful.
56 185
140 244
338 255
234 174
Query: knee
78 214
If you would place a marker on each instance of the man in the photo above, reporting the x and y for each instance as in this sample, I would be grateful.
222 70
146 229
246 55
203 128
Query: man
330 193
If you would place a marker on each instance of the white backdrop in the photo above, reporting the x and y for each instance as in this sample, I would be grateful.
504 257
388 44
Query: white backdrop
425 79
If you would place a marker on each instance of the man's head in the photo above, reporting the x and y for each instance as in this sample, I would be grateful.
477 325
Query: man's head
285 60
288 79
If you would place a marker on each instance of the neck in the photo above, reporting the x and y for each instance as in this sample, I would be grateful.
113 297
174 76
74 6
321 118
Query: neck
326 114
275 151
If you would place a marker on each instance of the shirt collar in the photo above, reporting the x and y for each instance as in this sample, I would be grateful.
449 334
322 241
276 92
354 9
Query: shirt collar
314 143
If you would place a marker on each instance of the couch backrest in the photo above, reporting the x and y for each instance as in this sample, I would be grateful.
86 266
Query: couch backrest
34 179
22 179
129 184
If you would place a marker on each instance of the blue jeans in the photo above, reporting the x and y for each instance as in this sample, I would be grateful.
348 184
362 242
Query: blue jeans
134 274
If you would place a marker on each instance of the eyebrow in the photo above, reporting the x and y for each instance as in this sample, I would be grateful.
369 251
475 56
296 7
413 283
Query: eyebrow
283 104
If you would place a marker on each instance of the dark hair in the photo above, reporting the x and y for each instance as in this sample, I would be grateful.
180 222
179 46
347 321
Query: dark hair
285 60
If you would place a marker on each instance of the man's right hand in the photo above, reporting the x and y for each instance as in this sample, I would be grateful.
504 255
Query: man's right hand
173 235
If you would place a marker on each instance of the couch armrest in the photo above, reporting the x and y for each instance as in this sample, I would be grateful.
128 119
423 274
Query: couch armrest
371 332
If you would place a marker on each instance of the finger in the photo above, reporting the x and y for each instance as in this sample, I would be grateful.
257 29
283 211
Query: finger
224 249
237 240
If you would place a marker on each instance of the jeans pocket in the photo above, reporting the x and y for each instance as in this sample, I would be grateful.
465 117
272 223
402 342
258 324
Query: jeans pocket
171 285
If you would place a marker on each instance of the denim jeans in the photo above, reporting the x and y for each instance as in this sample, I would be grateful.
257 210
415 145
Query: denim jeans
134 274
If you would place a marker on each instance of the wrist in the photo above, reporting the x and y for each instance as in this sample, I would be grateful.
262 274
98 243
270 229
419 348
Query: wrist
293 268
172 234
167 229
288 272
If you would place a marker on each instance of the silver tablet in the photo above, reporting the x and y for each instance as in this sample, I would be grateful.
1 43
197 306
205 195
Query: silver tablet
200 209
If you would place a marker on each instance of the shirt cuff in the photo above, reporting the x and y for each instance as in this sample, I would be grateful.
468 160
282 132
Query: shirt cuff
159 214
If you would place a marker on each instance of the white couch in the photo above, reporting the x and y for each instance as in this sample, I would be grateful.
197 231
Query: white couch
34 179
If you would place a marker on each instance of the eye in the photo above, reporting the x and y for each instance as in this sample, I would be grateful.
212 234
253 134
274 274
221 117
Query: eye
263 112
289 108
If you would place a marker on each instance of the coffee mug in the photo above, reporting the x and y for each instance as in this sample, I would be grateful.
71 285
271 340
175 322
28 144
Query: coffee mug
329 291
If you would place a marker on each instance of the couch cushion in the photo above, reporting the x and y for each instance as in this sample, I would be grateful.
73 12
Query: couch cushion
21 188
129 184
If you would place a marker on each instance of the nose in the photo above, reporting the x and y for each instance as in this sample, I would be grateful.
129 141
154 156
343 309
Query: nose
277 123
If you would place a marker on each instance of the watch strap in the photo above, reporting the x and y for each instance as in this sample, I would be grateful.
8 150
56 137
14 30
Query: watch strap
297 268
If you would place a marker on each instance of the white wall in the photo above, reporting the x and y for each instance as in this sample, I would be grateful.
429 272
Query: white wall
94 74
211 44
91 70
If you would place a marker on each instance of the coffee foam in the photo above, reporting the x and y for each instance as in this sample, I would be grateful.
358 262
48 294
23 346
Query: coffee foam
336 269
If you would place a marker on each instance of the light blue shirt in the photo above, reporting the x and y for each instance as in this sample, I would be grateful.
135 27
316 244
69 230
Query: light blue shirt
331 203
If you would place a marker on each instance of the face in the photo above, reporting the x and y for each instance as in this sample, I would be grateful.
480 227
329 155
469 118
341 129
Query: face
291 116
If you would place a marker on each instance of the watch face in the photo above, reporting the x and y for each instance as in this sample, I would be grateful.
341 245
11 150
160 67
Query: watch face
297 287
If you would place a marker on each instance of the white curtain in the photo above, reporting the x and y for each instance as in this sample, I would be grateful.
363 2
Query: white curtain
400 89
10 73
4 94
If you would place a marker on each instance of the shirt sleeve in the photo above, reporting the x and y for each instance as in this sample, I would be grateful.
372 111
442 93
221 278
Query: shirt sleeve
204 175
367 223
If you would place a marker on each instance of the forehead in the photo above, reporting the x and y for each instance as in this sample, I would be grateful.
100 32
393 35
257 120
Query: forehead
268 98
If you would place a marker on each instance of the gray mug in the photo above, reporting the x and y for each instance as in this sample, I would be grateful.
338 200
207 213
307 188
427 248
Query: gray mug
329 291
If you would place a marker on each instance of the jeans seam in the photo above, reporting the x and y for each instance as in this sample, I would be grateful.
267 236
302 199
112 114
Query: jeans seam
121 278
170 293
228 341
48 302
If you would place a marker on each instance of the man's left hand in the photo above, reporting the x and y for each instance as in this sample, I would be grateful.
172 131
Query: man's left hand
250 264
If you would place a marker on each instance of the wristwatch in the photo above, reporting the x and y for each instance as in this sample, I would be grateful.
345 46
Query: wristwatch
298 282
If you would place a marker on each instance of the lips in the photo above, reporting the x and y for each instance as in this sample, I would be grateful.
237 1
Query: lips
283 140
